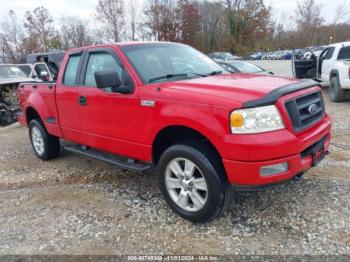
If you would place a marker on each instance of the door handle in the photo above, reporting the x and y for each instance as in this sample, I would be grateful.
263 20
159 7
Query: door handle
82 100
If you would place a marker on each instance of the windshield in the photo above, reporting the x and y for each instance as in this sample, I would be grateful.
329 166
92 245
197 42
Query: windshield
10 71
246 67
169 62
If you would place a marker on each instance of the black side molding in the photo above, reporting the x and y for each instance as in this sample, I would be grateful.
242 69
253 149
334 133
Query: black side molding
274 95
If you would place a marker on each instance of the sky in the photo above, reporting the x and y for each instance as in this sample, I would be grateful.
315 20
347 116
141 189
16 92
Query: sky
286 8
282 9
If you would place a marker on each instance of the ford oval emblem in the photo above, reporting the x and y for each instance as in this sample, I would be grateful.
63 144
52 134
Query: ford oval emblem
312 109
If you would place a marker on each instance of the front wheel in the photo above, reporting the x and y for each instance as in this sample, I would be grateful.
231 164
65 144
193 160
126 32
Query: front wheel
45 146
193 185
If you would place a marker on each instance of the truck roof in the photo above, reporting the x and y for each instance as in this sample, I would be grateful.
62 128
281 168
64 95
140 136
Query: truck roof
341 43
127 43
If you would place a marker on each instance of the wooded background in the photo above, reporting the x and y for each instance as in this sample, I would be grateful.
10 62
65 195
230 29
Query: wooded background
237 26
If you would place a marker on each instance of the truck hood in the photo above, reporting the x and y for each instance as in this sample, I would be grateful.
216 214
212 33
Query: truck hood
236 87
14 80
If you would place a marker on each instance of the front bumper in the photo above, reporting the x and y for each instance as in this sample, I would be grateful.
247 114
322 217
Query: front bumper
246 172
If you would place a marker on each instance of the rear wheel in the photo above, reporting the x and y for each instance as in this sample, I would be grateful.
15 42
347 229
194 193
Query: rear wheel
192 183
336 93
45 146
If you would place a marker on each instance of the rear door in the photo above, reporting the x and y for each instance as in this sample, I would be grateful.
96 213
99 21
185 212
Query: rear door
304 68
67 98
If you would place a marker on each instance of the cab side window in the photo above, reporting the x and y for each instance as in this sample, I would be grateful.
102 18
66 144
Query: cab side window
100 62
70 75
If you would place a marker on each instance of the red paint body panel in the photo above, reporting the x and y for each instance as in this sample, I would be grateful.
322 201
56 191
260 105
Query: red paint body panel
118 123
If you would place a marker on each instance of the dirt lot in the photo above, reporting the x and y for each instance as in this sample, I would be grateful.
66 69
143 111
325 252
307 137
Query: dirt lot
75 205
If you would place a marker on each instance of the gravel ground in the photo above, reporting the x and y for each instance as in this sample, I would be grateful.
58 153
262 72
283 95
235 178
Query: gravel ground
75 205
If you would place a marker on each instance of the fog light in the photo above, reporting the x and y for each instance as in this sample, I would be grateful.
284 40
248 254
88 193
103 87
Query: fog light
273 169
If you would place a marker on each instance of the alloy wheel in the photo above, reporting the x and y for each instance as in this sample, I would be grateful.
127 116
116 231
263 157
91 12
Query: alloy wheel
186 184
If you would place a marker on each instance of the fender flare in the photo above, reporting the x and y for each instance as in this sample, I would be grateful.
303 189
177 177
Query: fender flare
37 103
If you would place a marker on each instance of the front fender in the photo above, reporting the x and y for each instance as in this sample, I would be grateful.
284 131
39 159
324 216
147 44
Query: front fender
209 121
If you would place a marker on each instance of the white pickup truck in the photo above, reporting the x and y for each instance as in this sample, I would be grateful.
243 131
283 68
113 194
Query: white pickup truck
332 67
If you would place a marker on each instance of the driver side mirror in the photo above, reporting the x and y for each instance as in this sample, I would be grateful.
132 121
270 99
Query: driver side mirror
107 78
111 79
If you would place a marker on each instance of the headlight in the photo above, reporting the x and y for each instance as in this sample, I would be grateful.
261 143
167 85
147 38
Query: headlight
256 120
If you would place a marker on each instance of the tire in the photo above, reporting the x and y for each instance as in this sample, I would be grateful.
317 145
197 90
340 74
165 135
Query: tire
44 145
207 166
336 93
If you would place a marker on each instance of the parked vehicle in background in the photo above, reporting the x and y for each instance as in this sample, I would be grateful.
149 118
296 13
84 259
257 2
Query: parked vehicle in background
287 55
332 66
39 67
313 51
278 55
243 67
266 56
10 77
223 56
166 105
38 70
256 56
52 60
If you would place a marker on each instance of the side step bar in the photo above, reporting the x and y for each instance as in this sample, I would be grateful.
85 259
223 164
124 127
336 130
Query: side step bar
122 162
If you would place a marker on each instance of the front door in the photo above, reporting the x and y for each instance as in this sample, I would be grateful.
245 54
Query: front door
109 120
305 68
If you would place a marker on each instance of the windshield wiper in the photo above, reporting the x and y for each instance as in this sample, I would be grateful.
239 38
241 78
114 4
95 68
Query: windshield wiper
169 76
217 72
197 74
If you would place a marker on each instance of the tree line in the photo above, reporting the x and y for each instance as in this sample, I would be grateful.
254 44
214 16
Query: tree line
237 26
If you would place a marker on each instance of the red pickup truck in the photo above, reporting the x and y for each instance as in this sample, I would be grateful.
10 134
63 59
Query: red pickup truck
166 105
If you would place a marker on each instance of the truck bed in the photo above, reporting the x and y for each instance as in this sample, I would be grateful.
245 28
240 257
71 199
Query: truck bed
40 96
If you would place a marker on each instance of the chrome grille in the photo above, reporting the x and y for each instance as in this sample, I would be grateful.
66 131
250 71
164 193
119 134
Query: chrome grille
306 110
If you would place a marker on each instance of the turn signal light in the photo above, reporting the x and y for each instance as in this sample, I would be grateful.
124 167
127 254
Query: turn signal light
236 120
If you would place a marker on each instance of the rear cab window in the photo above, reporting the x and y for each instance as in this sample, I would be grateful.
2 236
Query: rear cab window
71 72
344 53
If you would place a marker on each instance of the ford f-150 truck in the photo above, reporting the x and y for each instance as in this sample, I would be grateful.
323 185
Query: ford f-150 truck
166 105
331 66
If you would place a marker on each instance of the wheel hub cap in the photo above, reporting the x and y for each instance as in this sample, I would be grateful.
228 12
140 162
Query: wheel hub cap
38 141
186 184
